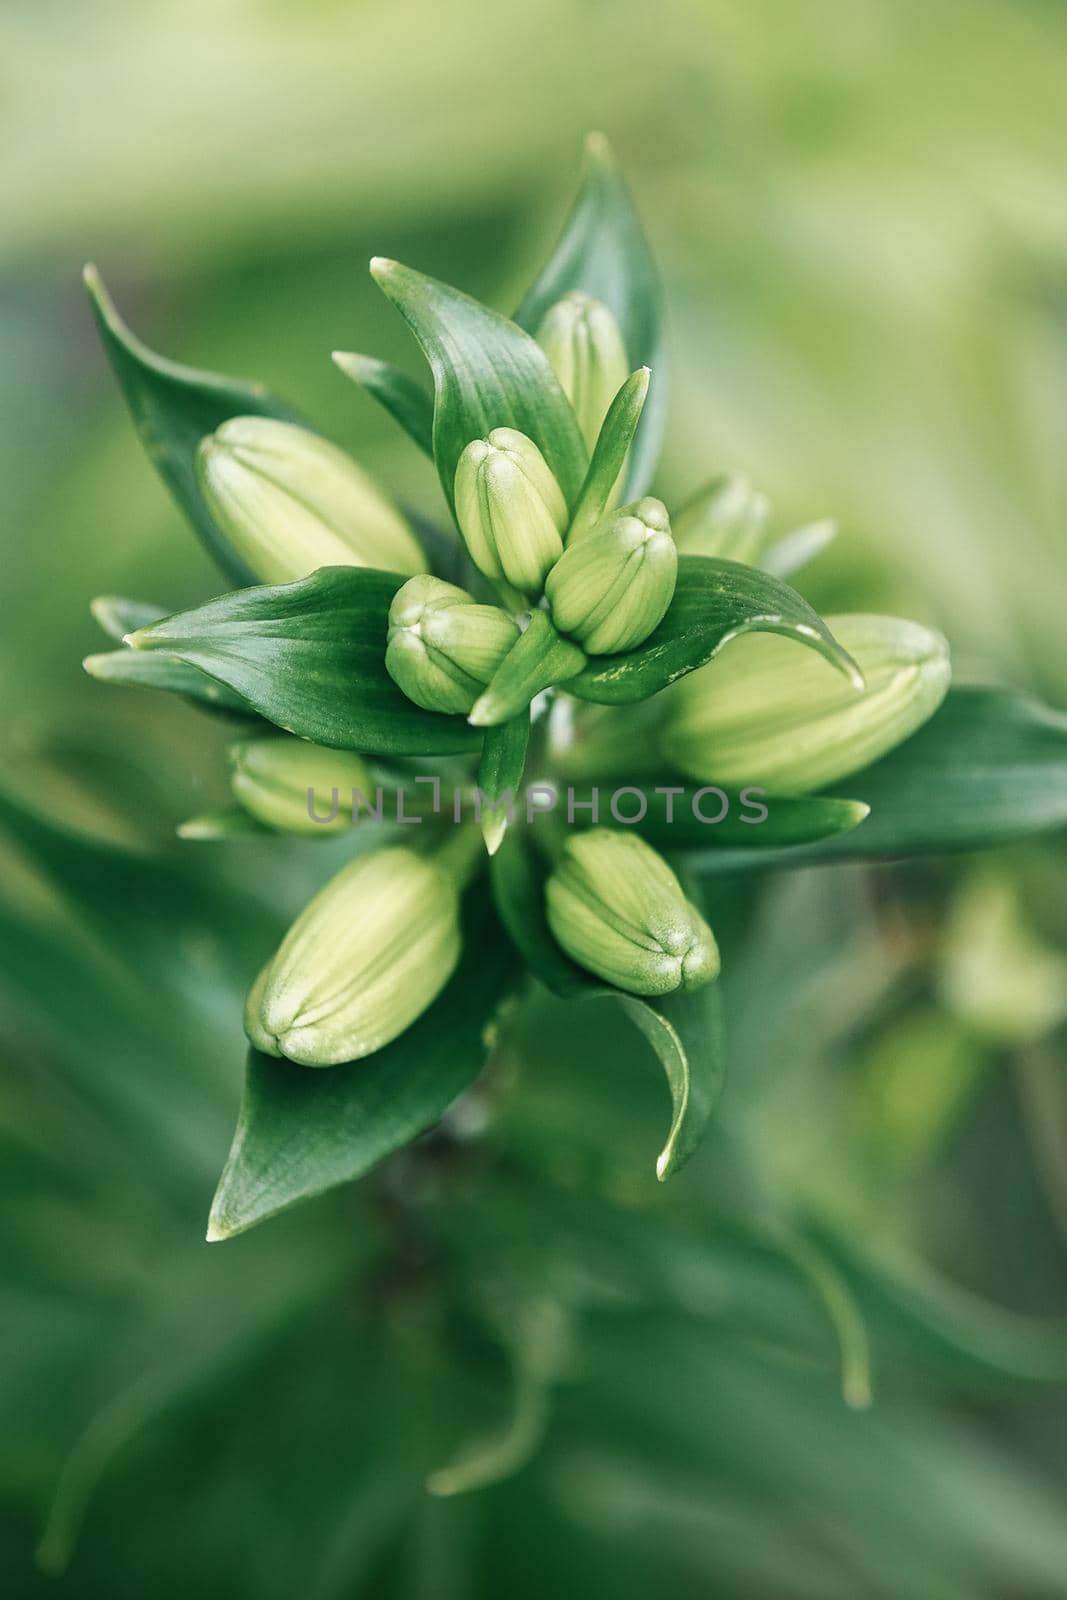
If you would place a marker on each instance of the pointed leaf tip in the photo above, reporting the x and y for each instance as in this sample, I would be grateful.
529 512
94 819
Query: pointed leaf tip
598 148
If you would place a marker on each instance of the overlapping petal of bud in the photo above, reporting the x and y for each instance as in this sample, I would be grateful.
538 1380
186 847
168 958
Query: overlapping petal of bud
442 647
617 909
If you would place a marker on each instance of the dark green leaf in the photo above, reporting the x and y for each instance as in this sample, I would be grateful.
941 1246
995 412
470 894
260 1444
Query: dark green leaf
602 250
159 670
671 821
310 657
500 774
685 1030
990 766
714 602
173 407
301 1132
487 374
405 400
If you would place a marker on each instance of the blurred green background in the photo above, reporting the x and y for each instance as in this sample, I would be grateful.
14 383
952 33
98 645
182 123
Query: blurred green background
860 212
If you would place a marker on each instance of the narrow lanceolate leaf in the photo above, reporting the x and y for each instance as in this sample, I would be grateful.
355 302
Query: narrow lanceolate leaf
119 616
405 400
602 250
677 816
300 1132
487 374
173 407
714 602
310 657
609 456
990 766
685 1030
160 670
500 776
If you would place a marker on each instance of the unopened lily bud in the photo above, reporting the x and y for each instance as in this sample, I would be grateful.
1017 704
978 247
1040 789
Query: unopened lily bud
290 502
584 346
365 957
613 588
443 647
510 509
771 712
726 519
297 787
616 908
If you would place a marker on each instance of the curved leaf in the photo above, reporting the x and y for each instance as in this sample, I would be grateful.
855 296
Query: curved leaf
685 1030
405 400
309 656
714 601
173 407
672 821
989 766
301 1132
602 250
487 374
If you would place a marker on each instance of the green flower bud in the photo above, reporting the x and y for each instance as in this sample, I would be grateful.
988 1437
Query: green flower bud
290 502
510 509
612 588
769 711
616 908
584 346
294 786
443 648
365 957
726 519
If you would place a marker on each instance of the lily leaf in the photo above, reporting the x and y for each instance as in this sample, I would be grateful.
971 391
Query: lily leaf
173 407
159 670
666 815
609 454
714 601
405 400
487 374
685 1030
309 656
500 774
990 766
301 1132
602 251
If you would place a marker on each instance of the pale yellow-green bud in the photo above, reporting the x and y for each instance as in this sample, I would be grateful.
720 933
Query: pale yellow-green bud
510 509
289 502
443 647
297 787
726 519
584 346
613 588
616 908
769 711
365 957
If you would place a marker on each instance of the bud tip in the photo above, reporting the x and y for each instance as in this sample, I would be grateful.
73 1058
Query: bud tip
382 267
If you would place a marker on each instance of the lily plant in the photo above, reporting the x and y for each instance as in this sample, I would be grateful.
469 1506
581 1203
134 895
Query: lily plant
549 724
